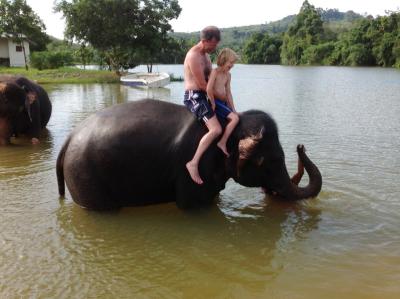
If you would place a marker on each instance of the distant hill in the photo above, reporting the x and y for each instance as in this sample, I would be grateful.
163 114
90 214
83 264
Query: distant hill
235 37
334 15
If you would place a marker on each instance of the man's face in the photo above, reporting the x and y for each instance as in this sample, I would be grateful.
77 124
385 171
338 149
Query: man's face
210 45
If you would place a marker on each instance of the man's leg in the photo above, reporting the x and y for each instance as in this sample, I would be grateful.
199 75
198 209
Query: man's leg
233 121
214 130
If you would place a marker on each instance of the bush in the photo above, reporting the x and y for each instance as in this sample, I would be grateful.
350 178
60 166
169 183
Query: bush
318 54
396 52
51 60
359 55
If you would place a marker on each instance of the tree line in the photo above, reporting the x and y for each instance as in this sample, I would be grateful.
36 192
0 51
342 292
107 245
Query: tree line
118 35
308 41
115 34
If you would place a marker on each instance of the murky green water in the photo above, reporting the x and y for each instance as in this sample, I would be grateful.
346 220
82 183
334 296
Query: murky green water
343 244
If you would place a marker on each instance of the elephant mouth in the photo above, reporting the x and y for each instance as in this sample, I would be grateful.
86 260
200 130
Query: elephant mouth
269 191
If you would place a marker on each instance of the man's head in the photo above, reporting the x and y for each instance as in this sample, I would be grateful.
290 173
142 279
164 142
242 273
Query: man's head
210 37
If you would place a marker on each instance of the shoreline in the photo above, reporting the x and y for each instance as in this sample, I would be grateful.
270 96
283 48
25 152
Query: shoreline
67 75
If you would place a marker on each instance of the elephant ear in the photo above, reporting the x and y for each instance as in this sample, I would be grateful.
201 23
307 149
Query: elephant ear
3 90
247 147
3 99
11 96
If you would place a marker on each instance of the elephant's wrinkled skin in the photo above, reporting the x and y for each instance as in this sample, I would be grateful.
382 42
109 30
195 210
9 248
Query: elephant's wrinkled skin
12 102
31 119
135 154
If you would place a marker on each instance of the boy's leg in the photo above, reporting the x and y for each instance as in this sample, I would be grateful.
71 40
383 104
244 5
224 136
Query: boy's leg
233 121
214 130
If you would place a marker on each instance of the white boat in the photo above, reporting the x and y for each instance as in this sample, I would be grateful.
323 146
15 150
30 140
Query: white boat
146 79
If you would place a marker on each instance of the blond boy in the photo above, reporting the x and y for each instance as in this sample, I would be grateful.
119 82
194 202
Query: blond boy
220 96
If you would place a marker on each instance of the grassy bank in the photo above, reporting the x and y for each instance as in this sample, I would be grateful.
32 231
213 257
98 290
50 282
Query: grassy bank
63 75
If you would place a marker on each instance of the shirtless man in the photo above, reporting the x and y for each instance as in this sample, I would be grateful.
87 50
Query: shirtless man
197 68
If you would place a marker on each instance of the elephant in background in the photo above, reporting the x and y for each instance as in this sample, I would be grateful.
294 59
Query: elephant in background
35 114
135 154
12 103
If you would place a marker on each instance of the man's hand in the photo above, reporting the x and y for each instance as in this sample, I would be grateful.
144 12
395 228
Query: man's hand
35 141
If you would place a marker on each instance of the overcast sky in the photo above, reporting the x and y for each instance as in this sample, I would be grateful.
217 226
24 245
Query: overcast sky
196 14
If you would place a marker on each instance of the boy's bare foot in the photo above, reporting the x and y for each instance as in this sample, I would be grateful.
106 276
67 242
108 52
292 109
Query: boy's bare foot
194 173
223 148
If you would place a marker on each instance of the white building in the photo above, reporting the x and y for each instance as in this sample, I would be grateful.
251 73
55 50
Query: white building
11 53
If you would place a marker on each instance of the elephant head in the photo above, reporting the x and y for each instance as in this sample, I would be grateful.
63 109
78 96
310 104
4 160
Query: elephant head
12 102
258 160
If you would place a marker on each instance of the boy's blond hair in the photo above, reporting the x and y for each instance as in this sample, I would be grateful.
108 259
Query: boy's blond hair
226 55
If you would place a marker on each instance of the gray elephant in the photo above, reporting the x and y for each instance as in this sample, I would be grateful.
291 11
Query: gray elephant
12 103
36 111
135 154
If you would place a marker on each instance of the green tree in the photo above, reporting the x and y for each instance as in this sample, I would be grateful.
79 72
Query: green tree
84 54
383 33
51 60
262 48
396 50
318 54
174 51
19 20
359 55
127 32
370 42
306 31
58 53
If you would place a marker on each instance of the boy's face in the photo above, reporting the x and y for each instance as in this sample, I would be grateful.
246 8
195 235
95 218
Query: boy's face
229 64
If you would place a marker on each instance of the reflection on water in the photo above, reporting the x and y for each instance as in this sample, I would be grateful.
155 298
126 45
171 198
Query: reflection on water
345 243
165 247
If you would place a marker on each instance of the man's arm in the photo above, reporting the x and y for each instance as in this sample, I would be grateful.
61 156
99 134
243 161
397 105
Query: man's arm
210 88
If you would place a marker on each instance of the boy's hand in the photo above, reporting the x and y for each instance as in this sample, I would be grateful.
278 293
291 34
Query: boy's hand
213 105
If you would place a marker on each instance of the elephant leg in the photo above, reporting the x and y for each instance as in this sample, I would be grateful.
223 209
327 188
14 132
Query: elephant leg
4 131
88 192
190 195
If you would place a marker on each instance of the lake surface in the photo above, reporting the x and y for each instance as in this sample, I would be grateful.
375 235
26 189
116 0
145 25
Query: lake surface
343 244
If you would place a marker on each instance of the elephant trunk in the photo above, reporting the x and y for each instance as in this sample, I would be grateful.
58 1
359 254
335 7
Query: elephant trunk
290 190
